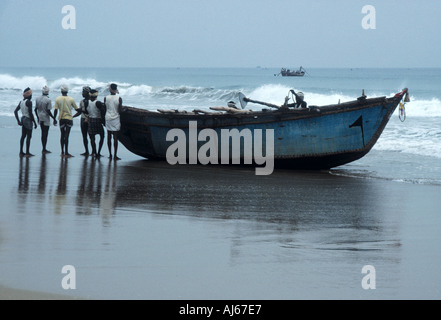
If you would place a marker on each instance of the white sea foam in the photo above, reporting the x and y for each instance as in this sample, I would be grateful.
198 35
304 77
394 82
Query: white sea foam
129 90
8 82
76 84
276 94
423 108
188 95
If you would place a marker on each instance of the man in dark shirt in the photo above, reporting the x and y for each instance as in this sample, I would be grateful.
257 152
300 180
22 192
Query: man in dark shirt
299 103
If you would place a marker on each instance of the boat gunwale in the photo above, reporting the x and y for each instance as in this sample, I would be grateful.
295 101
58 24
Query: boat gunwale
257 117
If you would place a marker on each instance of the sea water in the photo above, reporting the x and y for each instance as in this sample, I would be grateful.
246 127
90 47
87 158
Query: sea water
416 140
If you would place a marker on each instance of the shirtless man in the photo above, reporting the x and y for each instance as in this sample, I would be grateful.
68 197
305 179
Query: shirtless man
43 105
84 121
26 121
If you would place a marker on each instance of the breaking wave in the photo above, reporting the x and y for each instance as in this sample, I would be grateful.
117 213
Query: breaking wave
187 97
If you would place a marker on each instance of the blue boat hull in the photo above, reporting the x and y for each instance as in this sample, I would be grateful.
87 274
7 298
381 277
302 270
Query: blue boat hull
314 138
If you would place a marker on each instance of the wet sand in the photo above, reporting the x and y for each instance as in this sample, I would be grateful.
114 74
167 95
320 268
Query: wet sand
136 229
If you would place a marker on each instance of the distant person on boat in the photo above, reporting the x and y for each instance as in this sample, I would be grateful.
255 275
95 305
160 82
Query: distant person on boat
26 121
65 104
113 103
84 121
43 106
95 111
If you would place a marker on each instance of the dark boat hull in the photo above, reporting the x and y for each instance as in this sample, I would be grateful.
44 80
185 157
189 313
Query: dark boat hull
314 138
292 74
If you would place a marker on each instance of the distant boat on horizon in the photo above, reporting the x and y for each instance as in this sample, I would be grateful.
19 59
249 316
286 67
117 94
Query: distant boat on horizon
291 73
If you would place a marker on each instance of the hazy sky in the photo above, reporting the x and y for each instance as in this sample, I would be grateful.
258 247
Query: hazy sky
220 33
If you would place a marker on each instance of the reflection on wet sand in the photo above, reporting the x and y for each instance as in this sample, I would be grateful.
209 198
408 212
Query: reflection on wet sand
289 198
108 195
90 185
94 192
284 197
287 208
23 175
96 189
23 183
83 203
284 202
60 195
42 178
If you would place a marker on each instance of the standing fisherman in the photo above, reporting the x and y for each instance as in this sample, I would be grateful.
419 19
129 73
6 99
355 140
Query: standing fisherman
95 110
84 120
43 105
113 104
65 104
26 121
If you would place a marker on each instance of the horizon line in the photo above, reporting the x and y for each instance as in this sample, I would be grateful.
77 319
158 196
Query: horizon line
224 67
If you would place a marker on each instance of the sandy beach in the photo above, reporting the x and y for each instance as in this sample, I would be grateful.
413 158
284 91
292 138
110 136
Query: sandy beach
136 229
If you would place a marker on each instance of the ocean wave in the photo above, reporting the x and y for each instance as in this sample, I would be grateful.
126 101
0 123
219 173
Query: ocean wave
424 146
133 90
423 108
275 94
8 82
75 84
194 96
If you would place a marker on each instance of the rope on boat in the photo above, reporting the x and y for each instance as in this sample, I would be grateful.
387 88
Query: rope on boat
405 98
402 113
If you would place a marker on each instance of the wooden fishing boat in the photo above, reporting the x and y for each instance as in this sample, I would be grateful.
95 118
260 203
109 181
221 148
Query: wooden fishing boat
316 137
292 73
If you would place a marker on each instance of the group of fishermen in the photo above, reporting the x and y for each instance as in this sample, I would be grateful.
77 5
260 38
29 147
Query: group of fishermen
95 115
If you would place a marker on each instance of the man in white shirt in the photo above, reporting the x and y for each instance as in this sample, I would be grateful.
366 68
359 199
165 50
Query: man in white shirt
113 104
43 106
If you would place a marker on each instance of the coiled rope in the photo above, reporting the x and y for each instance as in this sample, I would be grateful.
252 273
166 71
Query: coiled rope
402 112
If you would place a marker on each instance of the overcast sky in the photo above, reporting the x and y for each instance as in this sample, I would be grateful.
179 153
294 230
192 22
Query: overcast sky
220 33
